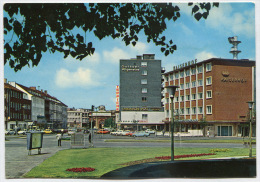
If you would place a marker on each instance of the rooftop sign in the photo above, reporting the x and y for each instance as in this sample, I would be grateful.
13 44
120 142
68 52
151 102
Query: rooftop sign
189 63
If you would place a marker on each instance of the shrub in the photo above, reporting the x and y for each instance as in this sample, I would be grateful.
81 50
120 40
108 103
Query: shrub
220 150
183 156
81 169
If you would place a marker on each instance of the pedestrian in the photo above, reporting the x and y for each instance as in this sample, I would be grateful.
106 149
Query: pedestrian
59 139
163 131
208 133
89 138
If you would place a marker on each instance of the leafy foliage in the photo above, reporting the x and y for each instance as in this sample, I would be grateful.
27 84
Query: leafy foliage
33 29
109 123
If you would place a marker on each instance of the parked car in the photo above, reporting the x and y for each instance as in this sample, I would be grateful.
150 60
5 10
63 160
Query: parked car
130 133
102 131
118 132
150 131
47 131
10 132
125 132
71 131
141 134
22 132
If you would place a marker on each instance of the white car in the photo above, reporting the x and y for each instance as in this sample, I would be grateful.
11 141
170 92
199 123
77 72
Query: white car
22 132
150 131
118 132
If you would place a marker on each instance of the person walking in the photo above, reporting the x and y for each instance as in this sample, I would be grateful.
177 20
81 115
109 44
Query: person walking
59 136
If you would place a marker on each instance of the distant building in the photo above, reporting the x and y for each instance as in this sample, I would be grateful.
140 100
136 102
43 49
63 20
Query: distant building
45 110
78 118
82 118
215 91
140 93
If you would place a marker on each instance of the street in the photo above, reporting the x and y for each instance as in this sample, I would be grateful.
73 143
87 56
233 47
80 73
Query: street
18 162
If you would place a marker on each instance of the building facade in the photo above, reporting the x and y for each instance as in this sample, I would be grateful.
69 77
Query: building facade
212 96
78 118
38 108
140 93
17 108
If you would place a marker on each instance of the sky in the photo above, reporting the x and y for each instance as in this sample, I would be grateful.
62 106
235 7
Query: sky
93 80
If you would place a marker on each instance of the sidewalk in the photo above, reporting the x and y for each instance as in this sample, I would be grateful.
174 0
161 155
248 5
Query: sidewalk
18 162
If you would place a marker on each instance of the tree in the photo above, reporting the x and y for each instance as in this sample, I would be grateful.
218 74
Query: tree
109 123
33 29
203 123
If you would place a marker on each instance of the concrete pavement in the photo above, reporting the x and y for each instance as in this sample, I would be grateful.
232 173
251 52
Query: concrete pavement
17 160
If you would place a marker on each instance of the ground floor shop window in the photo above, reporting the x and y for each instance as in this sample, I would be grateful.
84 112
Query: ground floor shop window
224 130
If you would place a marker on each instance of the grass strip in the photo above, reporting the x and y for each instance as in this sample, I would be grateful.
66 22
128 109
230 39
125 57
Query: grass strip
104 160
181 141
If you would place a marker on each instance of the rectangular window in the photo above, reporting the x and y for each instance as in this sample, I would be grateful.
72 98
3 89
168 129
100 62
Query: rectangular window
193 96
177 99
194 110
208 80
187 85
193 84
193 71
144 117
182 98
171 77
144 99
176 75
144 90
182 111
181 86
200 95
144 64
144 81
209 109
200 83
181 74
187 72
200 110
144 72
208 67
187 110
209 94
200 69
187 97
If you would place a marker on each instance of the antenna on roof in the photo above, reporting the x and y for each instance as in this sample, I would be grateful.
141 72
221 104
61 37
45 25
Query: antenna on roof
234 42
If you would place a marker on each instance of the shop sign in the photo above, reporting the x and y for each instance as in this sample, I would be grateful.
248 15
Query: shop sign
130 68
189 63
225 78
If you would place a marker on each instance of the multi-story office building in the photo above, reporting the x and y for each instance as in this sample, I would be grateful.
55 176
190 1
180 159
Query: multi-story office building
39 109
140 97
215 91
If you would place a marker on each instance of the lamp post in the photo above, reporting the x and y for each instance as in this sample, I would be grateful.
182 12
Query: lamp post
250 106
171 90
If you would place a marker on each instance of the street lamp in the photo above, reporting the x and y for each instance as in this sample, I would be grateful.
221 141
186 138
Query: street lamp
171 90
250 106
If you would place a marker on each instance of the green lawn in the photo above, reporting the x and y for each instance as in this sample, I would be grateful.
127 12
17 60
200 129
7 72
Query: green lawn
182 140
108 159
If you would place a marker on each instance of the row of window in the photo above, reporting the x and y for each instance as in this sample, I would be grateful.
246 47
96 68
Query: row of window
196 83
193 110
16 94
19 116
189 72
192 96
18 106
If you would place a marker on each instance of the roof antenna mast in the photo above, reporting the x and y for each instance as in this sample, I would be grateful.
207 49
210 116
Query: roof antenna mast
234 42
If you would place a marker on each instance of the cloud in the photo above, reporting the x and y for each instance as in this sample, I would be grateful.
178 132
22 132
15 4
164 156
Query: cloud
204 55
224 19
128 52
93 59
115 55
83 77
139 48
